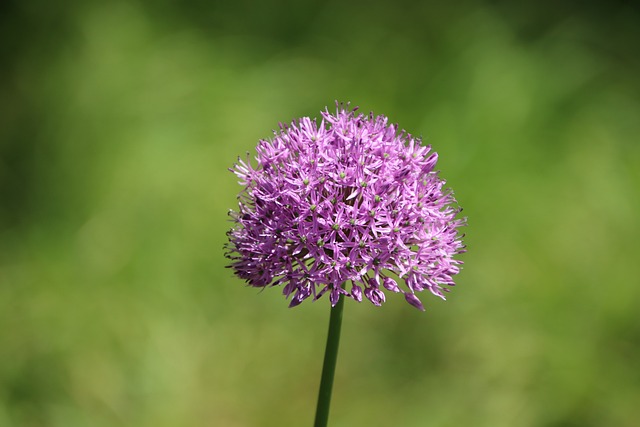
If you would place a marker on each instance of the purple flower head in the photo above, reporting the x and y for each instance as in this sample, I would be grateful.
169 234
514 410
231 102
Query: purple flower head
349 199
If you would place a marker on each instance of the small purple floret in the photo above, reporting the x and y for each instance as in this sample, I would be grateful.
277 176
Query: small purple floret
350 199
390 284
414 301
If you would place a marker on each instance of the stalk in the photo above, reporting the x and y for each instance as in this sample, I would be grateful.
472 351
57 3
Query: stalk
329 365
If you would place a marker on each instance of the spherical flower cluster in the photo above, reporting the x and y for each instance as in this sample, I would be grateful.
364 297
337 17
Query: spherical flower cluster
348 207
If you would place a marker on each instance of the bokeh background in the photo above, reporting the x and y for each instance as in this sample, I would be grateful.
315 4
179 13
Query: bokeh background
118 121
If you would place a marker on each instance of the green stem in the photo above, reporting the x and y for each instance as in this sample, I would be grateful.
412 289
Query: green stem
329 365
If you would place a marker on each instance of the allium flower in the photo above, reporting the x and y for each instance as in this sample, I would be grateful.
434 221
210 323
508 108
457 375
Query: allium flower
348 200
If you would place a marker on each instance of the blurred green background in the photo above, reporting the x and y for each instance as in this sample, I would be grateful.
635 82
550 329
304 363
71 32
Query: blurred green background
118 121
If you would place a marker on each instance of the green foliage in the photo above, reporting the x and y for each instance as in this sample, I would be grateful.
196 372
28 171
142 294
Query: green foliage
118 122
